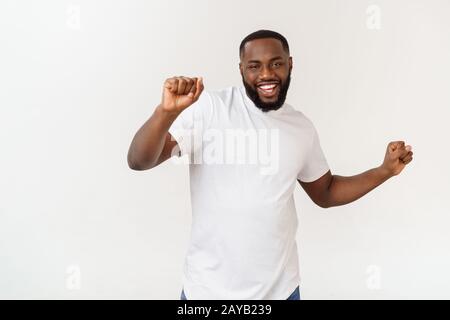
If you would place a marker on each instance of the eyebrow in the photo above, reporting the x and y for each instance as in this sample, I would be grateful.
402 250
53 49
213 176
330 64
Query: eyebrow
276 58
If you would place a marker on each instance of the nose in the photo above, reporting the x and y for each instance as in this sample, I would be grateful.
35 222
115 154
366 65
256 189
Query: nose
266 73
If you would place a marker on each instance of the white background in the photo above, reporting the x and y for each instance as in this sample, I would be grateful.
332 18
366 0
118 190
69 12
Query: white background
78 78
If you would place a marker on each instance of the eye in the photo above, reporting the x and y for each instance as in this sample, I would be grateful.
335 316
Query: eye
277 64
253 67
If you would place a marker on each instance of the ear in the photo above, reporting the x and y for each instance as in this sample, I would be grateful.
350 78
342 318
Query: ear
290 63
240 68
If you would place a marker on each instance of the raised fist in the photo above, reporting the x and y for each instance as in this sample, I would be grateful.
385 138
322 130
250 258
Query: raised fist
180 92
397 157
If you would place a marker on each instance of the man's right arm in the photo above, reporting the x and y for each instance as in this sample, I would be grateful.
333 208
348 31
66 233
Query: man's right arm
153 144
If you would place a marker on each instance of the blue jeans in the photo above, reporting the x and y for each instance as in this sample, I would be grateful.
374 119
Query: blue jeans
294 296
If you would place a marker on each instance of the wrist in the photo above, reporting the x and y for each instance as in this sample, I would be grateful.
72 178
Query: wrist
166 113
385 172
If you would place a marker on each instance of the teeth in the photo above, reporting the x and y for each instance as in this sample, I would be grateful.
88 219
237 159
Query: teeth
268 86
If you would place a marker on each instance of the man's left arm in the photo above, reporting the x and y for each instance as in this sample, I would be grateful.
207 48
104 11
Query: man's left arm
333 190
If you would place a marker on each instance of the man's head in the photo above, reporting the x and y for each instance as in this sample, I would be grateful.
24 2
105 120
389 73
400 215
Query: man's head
265 66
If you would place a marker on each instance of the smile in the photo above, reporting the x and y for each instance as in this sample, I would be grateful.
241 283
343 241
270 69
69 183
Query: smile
268 90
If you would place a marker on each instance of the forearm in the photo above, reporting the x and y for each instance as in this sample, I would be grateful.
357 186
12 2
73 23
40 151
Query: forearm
343 190
148 142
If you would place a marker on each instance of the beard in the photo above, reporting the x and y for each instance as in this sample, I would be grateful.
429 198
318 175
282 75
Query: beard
268 106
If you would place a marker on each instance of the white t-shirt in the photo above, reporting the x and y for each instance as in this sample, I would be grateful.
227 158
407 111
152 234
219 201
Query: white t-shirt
244 165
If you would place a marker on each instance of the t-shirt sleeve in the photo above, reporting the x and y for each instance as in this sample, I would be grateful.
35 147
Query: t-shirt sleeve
188 127
315 164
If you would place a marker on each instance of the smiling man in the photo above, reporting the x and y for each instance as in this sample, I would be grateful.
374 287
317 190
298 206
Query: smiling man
244 220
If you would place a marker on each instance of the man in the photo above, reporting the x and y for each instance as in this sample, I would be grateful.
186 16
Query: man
243 215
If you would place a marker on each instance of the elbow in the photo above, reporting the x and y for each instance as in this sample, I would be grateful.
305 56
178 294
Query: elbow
321 204
325 202
136 165
325 206
133 165
330 203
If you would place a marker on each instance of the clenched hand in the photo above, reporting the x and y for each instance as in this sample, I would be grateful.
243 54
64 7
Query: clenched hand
397 157
180 92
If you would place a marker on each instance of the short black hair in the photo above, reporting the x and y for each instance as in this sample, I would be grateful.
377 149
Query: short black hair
263 34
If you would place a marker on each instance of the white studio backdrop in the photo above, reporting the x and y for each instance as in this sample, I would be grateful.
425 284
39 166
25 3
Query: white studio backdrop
78 78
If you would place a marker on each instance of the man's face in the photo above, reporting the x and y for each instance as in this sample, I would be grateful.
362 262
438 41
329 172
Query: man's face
266 73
